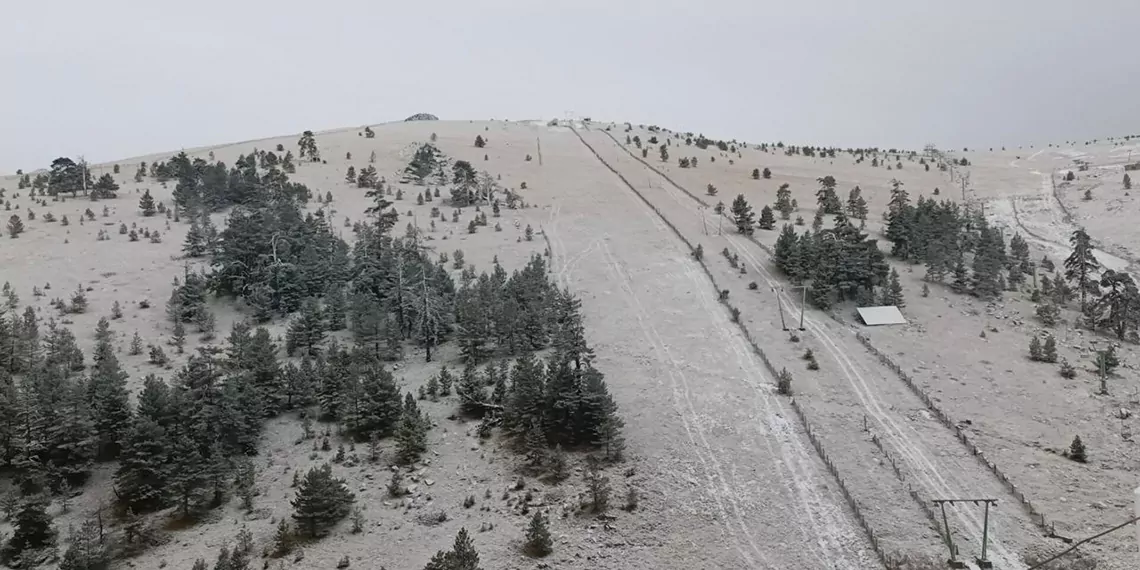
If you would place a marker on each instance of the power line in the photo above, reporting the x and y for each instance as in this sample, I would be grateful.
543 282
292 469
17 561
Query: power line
1080 542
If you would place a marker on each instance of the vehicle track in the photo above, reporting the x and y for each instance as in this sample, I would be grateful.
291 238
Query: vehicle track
935 479
830 530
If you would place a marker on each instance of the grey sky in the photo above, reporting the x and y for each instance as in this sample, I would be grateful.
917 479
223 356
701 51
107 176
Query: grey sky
117 78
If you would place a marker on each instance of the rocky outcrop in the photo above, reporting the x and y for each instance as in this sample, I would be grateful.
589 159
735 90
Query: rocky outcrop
422 117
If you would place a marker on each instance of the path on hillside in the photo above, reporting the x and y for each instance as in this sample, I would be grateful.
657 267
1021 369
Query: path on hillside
931 453
769 494
1045 221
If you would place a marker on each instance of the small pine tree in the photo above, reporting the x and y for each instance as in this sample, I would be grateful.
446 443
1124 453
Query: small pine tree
1035 349
1127 181
1077 450
479 142
179 336
1067 370
136 345
538 542
767 219
1049 350
146 204
756 174
598 486
15 226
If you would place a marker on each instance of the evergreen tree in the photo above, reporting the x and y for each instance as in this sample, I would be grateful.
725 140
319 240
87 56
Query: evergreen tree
537 542
411 433
1077 447
742 215
33 529
767 174
308 330
893 292
1081 264
194 244
1049 349
350 175
321 501
826 197
756 174
767 219
105 188
1127 181
308 146
146 203
1035 353
1119 309
785 249
462 555
109 399
335 308
375 409
856 205
664 153
472 397
784 201
87 550
15 226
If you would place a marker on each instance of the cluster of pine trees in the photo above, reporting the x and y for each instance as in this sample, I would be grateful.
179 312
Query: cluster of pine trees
840 263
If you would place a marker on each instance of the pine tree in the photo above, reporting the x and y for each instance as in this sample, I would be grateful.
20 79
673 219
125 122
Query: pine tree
350 175
194 245
15 226
33 529
1127 181
742 214
537 542
472 397
1119 309
598 486
767 173
767 219
146 203
411 433
1081 265
462 555
373 406
826 197
321 501
856 205
1077 450
1049 350
87 549
479 142
893 293
109 398
307 330
178 337
1035 349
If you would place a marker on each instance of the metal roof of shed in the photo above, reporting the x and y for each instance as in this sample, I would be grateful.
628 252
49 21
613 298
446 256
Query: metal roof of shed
886 315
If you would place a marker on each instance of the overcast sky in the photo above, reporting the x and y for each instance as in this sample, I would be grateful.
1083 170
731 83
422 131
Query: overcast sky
117 78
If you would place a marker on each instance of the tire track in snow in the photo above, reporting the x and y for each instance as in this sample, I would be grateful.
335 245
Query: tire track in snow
829 535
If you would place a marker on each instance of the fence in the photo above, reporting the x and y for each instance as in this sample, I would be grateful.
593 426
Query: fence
891 561
1036 516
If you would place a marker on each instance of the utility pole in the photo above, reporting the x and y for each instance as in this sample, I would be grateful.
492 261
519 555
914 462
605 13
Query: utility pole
780 305
803 302
953 562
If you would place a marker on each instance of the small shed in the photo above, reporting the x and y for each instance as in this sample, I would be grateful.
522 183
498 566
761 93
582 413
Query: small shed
885 315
